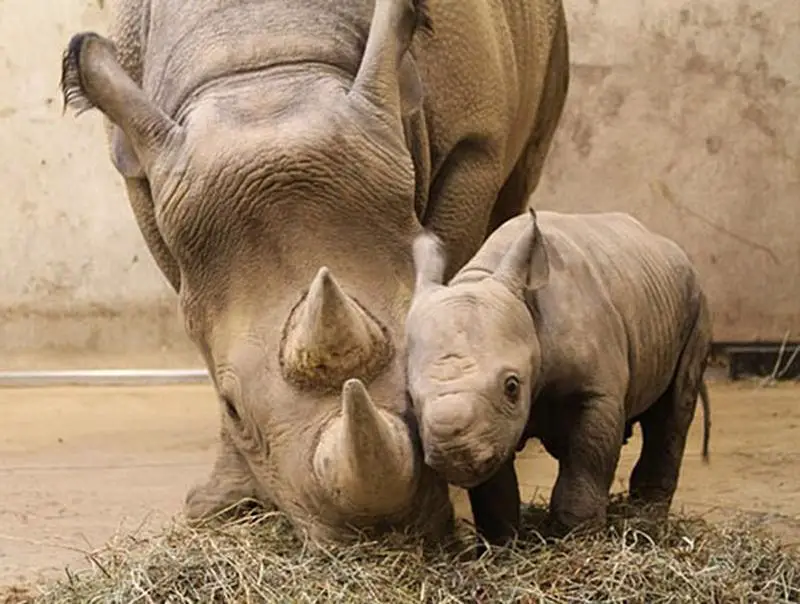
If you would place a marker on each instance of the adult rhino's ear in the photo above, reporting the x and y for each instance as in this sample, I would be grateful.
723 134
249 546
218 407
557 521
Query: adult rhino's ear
525 268
123 156
93 77
430 262
411 91
387 77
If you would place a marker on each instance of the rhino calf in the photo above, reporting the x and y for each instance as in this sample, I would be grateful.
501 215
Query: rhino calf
569 328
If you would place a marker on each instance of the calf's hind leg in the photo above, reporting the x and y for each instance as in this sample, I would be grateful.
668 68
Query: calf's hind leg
665 425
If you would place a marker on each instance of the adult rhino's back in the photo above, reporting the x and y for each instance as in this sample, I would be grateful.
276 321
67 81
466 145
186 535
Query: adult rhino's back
188 43
259 123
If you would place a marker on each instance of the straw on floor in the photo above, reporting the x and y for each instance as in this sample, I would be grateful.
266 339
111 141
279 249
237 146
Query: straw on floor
259 559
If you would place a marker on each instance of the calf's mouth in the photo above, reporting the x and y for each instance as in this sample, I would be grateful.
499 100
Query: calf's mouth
463 467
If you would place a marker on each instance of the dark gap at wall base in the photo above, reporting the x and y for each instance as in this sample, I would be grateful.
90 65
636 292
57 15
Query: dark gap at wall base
759 359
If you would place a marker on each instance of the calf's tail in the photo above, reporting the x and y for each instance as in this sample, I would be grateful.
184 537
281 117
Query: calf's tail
706 418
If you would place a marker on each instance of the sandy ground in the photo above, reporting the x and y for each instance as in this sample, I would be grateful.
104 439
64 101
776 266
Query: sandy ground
77 464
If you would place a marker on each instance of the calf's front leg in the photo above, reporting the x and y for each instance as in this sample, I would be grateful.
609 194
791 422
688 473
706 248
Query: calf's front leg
496 505
586 466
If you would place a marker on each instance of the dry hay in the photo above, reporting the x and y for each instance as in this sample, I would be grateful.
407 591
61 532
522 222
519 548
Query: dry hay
259 559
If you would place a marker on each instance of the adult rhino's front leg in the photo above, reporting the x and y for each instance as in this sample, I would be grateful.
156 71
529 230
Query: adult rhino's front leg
231 482
524 178
479 186
463 195
586 466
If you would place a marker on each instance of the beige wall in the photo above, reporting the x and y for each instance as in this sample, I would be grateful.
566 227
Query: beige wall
74 270
688 117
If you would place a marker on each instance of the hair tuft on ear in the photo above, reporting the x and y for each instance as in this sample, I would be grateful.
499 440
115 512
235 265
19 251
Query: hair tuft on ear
430 261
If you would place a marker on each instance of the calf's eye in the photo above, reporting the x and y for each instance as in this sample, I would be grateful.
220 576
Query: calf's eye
511 388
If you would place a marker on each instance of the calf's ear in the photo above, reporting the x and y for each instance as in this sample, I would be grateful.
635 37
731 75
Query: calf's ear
525 268
430 262
539 266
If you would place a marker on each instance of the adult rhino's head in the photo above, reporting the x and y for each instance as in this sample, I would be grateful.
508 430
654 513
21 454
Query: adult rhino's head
283 211
473 354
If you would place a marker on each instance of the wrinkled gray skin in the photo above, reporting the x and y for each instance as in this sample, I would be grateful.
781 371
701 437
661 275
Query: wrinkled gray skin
569 328
280 157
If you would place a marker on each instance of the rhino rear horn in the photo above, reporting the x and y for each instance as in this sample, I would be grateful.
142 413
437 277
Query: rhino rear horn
365 458
330 338
91 76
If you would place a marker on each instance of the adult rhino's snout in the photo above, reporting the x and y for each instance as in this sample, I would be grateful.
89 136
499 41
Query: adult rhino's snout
365 458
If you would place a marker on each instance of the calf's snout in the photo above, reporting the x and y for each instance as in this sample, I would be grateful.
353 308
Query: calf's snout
453 443
447 418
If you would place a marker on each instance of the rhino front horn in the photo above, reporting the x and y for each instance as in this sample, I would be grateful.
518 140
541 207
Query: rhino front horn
330 338
365 460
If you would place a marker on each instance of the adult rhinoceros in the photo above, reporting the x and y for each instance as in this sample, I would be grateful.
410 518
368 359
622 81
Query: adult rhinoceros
268 145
